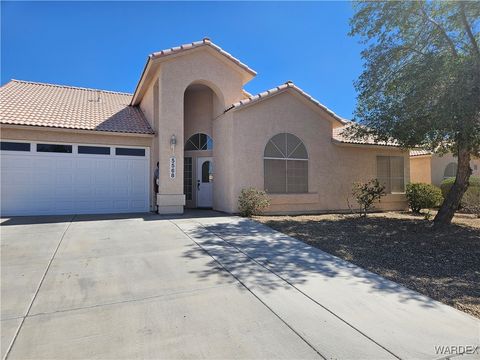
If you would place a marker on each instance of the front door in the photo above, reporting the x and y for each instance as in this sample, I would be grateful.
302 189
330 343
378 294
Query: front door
204 182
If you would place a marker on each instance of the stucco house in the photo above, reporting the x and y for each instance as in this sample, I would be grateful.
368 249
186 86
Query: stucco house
428 167
73 150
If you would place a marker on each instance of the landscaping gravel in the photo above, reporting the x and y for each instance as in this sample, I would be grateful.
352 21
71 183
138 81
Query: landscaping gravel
442 264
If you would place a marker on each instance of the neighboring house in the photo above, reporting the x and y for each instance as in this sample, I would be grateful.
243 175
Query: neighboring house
73 150
430 168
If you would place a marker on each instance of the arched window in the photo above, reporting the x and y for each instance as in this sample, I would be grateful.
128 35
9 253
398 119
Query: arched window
450 170
285 165
199 142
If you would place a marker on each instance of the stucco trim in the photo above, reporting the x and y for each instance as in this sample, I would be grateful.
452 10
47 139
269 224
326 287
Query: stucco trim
74 131
287 87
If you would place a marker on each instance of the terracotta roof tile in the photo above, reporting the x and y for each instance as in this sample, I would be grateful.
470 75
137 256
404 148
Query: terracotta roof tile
58 106
420 152
195 44
279 89
340 135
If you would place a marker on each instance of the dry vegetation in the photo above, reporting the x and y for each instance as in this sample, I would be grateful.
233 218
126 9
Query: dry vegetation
444 265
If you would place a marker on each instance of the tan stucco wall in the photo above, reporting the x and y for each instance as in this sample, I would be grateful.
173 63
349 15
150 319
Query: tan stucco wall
200 67
332 168
439 163
198 111
39 134
420 169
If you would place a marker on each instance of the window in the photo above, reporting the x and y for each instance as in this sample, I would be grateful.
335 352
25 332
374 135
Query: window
285 165
390 172
56 148
199 142
187 178
129 151
97 150
14 146
450 170
207 173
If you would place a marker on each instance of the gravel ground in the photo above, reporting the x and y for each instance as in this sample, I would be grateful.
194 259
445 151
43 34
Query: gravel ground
444 265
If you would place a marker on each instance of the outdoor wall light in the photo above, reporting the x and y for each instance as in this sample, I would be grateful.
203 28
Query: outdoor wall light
173 142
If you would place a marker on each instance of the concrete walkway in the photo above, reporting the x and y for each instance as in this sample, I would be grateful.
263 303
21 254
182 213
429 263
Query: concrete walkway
129 287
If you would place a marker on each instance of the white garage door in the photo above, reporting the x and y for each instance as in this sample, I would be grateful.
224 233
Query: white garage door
46 179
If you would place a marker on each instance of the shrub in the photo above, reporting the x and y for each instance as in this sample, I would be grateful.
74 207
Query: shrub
471 199
367 193
252 202
423 196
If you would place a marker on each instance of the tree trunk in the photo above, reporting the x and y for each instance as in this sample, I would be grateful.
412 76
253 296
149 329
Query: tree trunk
452 201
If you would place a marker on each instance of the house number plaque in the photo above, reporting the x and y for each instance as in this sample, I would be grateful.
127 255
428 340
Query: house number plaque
173 167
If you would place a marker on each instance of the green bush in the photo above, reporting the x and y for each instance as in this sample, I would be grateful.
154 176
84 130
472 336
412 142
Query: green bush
423 196
367 193
471 199
252 202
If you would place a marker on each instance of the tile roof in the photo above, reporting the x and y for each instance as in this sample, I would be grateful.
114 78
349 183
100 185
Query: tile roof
420 152
156 58
196 44
278 90
58 106
340 135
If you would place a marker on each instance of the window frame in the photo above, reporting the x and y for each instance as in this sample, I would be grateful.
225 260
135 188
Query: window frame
388 185
143 150
197 148
285 157
446 167
16 143
70 146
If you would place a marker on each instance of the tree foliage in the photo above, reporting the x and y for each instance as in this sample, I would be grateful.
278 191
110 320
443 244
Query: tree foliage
421 80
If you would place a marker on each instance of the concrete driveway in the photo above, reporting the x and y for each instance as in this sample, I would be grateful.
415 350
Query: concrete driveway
203 286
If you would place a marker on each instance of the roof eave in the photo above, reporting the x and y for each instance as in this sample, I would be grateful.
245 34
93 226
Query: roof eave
350 144
165 55
75 130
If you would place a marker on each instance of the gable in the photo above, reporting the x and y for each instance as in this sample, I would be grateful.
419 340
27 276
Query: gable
155 60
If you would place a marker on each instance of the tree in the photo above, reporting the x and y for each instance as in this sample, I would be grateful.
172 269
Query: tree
421 80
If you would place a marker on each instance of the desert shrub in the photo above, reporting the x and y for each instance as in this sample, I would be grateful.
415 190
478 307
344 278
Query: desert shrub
252 202
367 193
423 196
471 199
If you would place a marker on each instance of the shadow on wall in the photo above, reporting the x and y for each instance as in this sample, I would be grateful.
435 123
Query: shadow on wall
283 257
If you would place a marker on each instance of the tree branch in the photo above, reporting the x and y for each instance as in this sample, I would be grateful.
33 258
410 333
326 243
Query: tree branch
442 31
468 29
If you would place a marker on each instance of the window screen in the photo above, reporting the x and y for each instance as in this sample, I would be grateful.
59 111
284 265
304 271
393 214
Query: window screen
130 151
450 170
14 146
97 150
56 148
390 172
285 165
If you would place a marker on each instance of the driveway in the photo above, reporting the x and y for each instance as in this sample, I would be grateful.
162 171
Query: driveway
203 286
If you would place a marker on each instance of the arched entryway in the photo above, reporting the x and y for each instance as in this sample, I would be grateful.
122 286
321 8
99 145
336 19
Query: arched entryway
201 104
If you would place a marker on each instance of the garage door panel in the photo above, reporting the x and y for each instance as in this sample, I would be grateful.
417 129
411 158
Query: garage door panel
43 183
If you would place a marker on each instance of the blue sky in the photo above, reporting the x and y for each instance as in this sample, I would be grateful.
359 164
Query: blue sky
105 44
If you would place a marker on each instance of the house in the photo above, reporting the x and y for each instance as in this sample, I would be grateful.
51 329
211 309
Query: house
73 150
428 167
